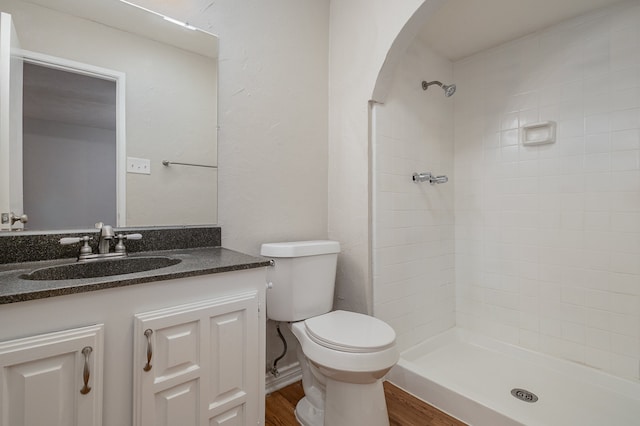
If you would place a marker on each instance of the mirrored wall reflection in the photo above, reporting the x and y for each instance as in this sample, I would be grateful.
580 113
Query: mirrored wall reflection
69 142
165 109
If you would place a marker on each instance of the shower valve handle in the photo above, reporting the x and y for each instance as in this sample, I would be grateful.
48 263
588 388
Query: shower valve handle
428 177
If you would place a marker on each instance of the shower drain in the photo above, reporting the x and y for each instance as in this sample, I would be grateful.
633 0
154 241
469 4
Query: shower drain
524 395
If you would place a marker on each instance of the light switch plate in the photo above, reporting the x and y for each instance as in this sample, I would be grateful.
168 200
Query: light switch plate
138 165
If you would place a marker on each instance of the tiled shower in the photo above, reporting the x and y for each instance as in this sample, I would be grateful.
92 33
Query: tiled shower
538 246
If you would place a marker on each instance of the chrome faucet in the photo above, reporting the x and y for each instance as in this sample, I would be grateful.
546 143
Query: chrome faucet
106 235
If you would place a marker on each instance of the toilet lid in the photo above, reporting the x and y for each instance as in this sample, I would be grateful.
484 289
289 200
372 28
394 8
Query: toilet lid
350 332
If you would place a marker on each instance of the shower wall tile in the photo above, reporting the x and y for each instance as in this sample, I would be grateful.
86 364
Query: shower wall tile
547 238
413 234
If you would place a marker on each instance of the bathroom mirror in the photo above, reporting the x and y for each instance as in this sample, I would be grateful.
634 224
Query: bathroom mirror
163 80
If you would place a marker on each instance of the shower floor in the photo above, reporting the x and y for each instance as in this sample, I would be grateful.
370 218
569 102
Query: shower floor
471 377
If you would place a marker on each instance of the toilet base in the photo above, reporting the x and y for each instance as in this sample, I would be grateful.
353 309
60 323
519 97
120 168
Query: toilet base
347 404
307 414
355 404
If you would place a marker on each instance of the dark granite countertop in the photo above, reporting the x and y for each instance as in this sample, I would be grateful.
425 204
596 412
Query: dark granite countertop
194 261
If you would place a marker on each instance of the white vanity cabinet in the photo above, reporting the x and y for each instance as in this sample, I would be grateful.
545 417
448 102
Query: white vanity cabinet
52 379
193 363
207 351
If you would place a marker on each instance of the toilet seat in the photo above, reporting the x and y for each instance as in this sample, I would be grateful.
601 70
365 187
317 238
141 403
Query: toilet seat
350 332
364 354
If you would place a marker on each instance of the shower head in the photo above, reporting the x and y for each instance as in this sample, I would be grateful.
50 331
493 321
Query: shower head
449 89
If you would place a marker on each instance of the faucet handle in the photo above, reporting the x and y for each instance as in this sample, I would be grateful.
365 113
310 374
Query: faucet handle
69 240
84 250
120 248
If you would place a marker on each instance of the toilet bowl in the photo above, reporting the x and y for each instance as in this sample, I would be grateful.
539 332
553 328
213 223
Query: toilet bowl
346 355
343 355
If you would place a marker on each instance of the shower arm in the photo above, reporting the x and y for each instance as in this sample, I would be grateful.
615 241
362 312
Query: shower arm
449 89
426 85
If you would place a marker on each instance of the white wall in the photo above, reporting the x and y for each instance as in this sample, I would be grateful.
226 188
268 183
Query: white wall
278 180
413 230
548 237
272 145
361 34
273 118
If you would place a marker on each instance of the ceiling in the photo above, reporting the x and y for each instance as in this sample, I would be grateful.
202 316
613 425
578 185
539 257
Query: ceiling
461 28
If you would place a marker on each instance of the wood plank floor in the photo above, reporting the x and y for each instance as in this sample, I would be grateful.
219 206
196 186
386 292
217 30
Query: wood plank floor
404 409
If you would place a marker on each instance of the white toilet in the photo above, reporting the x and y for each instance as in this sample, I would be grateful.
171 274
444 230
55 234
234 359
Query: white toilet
343 355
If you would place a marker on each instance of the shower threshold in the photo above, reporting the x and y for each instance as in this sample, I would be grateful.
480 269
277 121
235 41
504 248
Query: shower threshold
471 377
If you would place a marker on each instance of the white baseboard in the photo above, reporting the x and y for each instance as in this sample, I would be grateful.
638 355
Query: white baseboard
288 374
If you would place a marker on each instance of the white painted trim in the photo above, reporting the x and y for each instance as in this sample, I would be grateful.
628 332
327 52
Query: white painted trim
288 374
5 65
121 129
372 200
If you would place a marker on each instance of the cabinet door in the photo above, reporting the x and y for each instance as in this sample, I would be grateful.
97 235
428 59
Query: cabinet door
197 364
52 379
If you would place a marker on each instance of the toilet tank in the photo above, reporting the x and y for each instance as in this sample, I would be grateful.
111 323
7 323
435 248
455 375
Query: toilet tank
301 283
